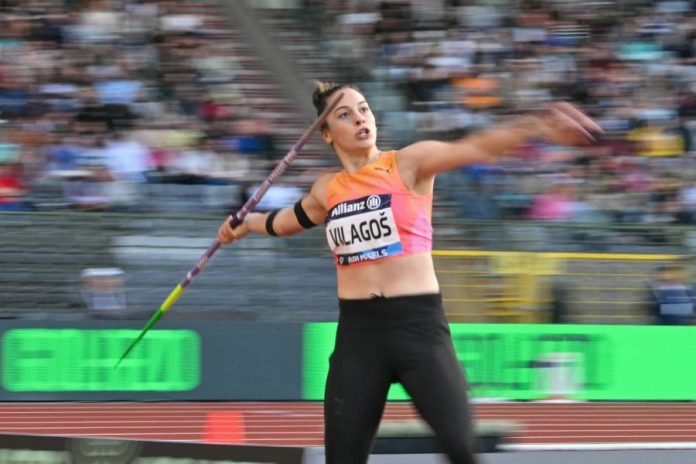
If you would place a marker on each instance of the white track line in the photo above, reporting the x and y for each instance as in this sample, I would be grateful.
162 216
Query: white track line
599 446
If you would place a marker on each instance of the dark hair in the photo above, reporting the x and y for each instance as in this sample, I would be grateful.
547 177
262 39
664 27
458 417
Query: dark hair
324 90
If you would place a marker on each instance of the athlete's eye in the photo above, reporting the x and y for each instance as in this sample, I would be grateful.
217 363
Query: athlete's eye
364 109
343 115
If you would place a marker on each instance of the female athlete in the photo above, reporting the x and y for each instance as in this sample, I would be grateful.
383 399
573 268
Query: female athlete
377 210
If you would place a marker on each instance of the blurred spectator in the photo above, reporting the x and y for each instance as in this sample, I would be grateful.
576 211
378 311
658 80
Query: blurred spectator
558 301
102 292
656 140
477 201
252 137
63 156
12 188
687 200
671 297
199 164
663 207
80 164
87 188
126 157
556 204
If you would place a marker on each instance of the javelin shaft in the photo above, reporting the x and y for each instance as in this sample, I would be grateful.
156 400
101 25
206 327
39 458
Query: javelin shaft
238 217
235 219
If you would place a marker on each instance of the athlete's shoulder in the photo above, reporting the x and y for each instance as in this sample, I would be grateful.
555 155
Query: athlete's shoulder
321 184
408 161
326 177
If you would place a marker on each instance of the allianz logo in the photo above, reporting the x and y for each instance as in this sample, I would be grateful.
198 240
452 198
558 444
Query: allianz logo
373 202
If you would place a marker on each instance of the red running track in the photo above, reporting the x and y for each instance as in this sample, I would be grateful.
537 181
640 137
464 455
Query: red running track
300 424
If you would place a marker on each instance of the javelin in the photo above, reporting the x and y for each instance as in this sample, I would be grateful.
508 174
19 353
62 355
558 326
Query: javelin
235 220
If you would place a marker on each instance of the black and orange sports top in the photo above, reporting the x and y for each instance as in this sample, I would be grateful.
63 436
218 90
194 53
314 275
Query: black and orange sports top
373 216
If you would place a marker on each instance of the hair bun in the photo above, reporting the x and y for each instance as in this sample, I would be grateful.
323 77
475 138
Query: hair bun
323 90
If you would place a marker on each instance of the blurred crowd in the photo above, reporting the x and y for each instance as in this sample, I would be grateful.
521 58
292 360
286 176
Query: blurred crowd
465 65
99 98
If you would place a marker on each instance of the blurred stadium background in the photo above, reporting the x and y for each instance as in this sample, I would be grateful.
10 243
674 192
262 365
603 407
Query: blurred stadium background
130 128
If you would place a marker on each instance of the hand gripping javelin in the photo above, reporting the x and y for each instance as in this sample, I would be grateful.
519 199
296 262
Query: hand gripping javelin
235 220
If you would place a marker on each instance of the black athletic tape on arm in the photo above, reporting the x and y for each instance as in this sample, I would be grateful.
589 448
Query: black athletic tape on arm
269 222
302 217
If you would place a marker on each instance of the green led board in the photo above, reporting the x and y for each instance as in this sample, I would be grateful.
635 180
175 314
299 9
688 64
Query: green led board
513 361
60 360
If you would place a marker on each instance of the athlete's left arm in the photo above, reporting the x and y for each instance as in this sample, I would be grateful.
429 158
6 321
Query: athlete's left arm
561 123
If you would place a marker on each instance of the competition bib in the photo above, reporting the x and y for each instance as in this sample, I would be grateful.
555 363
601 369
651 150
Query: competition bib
363 229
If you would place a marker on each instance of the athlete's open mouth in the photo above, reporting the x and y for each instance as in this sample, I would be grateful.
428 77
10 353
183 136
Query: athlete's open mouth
363 133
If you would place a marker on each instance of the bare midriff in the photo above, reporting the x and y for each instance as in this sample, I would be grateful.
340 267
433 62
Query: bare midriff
399 276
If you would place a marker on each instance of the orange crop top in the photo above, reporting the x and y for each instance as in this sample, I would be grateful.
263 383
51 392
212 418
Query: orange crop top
373 216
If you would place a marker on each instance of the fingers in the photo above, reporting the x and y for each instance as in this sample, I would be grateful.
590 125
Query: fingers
571 123
578 116
226 234
567 125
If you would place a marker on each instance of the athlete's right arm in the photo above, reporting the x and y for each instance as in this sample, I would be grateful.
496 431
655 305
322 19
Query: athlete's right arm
285 222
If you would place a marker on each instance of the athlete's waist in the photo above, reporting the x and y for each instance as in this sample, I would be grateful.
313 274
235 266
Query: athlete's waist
393 310
398 275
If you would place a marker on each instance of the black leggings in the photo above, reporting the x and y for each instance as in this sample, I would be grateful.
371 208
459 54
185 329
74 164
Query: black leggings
385 340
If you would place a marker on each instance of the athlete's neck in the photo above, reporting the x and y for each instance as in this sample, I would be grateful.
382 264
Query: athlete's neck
353 161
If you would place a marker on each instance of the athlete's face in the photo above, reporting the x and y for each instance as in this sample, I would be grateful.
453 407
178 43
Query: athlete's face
351 126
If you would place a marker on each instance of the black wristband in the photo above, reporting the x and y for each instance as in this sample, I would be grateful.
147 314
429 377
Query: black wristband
269 222
302 217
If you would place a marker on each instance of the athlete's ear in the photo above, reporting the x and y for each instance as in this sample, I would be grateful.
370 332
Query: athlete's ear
326 135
